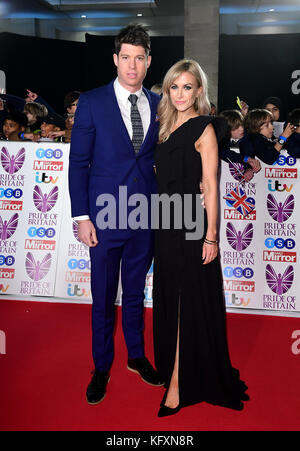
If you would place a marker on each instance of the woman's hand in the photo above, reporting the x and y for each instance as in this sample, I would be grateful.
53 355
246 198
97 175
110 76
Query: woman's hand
209 252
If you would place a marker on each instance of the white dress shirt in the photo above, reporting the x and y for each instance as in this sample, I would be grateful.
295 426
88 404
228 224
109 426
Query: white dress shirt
125 108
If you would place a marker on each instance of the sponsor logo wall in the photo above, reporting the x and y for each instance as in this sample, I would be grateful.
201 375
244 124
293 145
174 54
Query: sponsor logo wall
258 236
41 255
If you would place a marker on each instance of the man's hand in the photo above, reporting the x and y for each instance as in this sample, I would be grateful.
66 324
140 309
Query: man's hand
87 233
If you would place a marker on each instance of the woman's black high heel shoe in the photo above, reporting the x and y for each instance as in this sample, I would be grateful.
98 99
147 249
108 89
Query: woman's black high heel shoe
165 411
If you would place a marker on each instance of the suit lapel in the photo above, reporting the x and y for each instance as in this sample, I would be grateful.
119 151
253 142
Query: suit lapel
120 125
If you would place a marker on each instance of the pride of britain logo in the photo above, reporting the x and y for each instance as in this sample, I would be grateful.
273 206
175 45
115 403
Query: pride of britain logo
36 269
44 202
280 211
279 283
239 240
8 227
12 163
236 170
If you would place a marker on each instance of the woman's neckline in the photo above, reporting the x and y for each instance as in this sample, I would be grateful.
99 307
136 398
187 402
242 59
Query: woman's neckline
185 122
174 131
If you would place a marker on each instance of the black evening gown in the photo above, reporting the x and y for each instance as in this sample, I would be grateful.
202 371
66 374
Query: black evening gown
188 293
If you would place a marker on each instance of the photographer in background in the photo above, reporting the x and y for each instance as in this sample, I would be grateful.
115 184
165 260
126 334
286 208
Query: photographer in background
292 144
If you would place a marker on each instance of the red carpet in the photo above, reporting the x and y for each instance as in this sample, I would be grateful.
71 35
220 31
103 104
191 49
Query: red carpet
46 368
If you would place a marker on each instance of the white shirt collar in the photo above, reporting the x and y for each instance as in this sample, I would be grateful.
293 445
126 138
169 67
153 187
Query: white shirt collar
123 93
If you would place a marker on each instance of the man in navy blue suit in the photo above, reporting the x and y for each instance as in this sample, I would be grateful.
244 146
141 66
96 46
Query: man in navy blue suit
112 145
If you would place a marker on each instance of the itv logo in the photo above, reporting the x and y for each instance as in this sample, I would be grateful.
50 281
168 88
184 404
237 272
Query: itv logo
277 186
237 301
44 178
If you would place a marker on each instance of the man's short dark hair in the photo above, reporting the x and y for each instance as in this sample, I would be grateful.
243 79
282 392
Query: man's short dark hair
133 34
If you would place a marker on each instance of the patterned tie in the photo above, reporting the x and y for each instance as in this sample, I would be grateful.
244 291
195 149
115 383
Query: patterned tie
137 126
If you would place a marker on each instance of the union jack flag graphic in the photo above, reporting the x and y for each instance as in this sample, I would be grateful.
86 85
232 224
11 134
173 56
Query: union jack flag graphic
238 199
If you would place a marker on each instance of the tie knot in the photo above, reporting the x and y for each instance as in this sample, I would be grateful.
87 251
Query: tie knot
133 99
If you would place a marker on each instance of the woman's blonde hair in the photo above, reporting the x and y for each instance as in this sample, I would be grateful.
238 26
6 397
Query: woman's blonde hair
167 113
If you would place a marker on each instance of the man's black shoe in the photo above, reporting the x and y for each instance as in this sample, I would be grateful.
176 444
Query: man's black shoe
96 390
143 367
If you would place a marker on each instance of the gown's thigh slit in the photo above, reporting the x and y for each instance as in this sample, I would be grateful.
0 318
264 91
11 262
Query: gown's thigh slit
175 372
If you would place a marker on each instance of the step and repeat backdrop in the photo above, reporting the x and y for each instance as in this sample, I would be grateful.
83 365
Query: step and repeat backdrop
41 255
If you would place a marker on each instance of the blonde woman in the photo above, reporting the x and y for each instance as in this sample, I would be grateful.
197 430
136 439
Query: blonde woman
191 352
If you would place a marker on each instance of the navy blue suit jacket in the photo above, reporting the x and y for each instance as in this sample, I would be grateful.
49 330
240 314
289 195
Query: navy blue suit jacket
102 156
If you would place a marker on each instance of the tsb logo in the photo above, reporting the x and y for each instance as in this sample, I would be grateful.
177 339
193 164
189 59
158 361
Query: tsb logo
49 153
289 161
238 272
280 243
41 232
73 263
9 193
7 260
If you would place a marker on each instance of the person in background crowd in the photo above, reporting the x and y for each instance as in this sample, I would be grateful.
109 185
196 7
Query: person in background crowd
3 114
34 112
157 88
213 109
70 106
14 126
50 125
34 97
259 140
293 143
274 105
229 149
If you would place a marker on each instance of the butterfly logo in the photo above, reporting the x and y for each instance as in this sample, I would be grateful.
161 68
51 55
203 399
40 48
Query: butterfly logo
278 283
8 228
12 163
44 202
279 211
236 170
239 240
37 270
